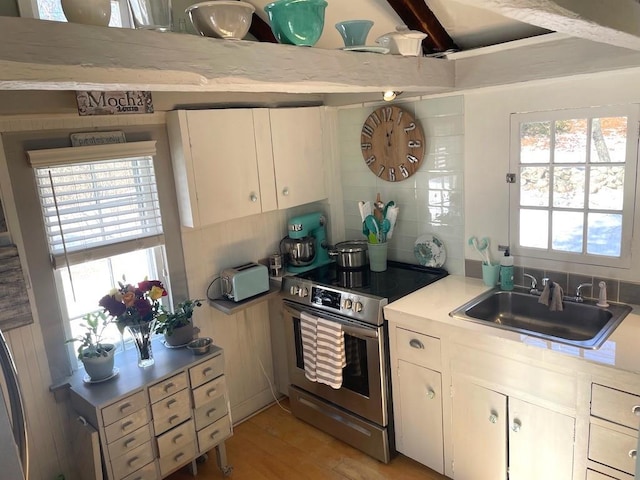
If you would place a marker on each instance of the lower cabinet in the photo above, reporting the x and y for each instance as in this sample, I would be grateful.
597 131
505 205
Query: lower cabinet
498 437
155 420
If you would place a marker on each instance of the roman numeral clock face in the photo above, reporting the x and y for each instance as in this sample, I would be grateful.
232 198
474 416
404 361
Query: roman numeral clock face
392 143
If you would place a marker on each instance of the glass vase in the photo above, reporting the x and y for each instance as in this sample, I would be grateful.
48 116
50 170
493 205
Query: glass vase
141 334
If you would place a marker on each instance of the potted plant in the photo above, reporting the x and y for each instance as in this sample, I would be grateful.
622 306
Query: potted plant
97 357
177 326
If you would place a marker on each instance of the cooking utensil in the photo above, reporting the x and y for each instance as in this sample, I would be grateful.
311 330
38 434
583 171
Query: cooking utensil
392 216
473 241
483 245
350 254
361 209
372 227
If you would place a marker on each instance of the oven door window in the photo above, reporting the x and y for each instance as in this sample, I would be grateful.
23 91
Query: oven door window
355 375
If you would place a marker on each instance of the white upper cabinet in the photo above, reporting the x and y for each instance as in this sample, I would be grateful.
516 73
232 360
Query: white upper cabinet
296 134
229 163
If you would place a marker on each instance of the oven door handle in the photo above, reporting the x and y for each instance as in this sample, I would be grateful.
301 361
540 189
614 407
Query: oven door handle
361 333
349 329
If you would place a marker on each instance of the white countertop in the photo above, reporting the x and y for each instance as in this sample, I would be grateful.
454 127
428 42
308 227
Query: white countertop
434 302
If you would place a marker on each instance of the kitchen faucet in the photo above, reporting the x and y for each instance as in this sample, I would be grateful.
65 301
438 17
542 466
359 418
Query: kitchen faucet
533 289
578 297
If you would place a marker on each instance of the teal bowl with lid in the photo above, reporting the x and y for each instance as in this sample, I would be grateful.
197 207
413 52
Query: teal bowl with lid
297 22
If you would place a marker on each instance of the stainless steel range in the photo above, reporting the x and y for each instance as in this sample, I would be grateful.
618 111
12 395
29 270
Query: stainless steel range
360 411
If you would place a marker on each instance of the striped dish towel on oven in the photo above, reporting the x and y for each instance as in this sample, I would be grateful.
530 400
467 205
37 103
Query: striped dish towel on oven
330 353
308 326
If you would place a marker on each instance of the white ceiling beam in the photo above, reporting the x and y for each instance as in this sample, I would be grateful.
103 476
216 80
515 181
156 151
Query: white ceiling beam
42 55
616 22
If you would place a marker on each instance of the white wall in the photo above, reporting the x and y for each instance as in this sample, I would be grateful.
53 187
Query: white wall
487 153
431 200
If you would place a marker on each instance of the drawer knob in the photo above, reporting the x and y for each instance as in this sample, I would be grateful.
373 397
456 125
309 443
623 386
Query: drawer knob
124 406
431 394
206 371
132 461
210 392
253 197
126 425
178 457
493 418
215 434
415 343
128 442
169 386
633 453
173 418
211 412
636 410
177 437
171 402
517 425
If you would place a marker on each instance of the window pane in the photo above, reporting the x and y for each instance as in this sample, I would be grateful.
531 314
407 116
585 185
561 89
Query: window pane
567 228
606 187
571 141
534 228
534 186
568 187
604 234
609 140
535 142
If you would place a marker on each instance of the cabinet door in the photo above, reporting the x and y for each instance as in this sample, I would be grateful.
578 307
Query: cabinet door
296 135
420 392
540 443
479 433
220 166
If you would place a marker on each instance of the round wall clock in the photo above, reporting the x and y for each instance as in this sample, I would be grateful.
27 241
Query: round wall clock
392 143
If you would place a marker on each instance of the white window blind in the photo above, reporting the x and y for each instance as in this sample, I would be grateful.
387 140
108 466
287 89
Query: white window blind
98 201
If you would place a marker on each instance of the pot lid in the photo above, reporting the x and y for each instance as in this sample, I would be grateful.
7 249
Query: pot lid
351 246
402 31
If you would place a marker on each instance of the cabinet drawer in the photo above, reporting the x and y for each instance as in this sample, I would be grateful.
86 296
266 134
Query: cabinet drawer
126 425
206 371
168 387
418 348
126 443
124 407
208 392
210 412
177 458
615 406
593 475
132 461
212 435
148 472
612 448
176 438
171 411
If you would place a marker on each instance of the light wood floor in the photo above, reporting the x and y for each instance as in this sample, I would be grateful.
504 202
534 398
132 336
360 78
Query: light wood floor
274 445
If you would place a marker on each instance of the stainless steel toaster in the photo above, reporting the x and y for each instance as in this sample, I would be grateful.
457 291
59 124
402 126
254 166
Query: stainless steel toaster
244 281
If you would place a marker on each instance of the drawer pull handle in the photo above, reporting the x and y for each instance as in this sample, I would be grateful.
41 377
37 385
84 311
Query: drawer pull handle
124 406
169 386
636 410
431 394
214 434
206 371
173 418
178 457
210 412
211 391
633 453
415 343
177 437
171 402
128 442
132 461
126 425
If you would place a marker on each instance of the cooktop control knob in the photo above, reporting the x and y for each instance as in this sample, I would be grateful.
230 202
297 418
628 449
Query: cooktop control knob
347 304
303 292
294 289
357 307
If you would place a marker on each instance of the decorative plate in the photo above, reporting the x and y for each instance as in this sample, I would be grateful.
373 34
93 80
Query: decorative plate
114 372
430 251
366 48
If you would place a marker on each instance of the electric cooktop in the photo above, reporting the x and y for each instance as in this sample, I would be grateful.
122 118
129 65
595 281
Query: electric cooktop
398 280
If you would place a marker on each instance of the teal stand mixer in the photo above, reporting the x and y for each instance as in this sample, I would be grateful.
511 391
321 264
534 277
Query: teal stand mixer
305 248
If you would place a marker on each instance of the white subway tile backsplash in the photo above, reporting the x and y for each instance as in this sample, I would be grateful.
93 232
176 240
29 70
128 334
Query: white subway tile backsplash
440 107
443 126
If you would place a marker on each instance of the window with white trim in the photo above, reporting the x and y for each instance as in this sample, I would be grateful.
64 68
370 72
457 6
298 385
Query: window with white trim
102 221
574 195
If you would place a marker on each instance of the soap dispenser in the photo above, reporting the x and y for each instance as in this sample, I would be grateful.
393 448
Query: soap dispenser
506 271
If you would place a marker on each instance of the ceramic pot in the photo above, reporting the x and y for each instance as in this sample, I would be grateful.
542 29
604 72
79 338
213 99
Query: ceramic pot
100 367
354 32
89 12
180 336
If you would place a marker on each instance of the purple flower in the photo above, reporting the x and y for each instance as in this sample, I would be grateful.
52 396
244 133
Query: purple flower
111 305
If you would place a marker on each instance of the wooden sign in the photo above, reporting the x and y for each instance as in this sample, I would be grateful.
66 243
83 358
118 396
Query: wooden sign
113 103
15 310
97 138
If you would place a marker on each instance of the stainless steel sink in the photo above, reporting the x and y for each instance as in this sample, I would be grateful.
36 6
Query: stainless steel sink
583 325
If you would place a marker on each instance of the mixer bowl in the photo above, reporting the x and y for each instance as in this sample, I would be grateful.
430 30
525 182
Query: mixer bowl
298 252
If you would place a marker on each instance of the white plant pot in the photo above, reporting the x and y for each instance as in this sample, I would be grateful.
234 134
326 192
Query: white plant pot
180 336
100 367
89 12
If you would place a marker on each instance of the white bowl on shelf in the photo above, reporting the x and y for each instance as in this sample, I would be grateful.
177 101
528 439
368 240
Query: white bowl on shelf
403 41
222 19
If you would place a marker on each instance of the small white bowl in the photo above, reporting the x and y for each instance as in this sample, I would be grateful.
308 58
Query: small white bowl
222 19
